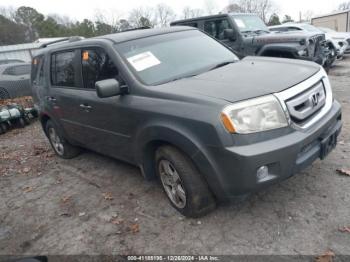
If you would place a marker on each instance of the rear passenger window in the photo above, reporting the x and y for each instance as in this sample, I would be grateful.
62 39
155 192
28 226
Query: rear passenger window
62 69
216 28
21 70
96 66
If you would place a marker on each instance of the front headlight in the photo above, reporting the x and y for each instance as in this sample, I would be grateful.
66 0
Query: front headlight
254 115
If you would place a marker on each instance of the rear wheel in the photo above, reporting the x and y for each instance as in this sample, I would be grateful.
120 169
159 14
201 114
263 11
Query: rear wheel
60 145
187 191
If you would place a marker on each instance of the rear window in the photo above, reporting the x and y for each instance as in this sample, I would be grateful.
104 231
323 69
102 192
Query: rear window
22 70
63 69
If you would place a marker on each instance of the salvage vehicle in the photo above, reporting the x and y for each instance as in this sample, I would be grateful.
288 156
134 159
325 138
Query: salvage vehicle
181 106
248 35
15 80
335 45
338 36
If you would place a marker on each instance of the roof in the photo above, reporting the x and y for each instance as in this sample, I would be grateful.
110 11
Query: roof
135 34
210 16
118 37
333 13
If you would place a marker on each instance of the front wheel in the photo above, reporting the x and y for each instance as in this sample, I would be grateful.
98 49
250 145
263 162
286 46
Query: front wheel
187 191
61 147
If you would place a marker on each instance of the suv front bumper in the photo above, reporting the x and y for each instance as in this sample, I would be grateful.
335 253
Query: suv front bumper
236 167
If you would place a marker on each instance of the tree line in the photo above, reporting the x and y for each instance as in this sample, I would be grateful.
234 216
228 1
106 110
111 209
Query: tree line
25 24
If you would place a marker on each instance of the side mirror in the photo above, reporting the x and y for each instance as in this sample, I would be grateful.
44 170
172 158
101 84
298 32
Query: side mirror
108 88
230 34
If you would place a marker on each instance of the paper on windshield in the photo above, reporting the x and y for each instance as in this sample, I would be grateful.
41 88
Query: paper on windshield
240 23
143 61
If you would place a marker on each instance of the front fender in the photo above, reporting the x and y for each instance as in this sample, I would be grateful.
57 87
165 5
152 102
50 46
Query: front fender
186 141
283 48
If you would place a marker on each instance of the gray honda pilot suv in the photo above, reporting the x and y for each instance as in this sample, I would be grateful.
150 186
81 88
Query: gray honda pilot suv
185 109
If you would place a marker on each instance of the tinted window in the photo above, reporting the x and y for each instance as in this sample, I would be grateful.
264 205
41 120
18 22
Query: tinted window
96 66
62 69
21 70
191 24
279 29
9 71
216 28
247 23
293 28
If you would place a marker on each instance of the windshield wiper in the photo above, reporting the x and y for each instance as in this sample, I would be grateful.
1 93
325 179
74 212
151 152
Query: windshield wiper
255 31
222 64
181 77
261 31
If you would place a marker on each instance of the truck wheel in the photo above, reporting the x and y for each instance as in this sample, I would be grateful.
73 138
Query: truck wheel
61 147
182 183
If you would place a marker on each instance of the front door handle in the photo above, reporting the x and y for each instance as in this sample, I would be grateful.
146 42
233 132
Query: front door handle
86 107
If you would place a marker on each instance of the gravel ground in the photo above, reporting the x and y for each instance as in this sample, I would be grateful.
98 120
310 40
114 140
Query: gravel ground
97 205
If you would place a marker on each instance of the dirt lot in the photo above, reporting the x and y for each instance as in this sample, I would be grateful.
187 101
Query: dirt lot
97 205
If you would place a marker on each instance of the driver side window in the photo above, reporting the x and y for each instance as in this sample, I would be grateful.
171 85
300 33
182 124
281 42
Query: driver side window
216 28
97 66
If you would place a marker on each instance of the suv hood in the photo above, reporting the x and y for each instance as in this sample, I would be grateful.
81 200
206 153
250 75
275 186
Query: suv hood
286 37
247 78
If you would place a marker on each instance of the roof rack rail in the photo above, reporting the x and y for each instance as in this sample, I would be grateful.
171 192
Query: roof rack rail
137 28
66 39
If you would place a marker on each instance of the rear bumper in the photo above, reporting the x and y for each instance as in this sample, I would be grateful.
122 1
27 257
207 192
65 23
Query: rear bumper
236 167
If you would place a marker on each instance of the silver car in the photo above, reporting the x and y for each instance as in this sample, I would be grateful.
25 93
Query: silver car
15 80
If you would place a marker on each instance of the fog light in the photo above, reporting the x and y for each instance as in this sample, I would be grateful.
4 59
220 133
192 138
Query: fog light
262 173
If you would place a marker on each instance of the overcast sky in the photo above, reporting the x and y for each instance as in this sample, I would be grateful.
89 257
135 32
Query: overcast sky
79 9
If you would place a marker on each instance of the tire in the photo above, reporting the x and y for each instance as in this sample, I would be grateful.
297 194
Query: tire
21 122
194 198
60 145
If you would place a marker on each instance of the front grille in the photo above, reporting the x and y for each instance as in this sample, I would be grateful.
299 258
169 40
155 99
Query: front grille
307 102
315 45
305 105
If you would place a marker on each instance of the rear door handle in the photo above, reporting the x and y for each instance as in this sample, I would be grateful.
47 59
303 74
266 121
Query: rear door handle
51 99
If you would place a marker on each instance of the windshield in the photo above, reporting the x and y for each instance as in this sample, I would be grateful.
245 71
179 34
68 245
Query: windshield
249 23
168 57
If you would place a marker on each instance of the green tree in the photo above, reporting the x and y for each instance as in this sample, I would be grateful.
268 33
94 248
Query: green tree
11 33
274 20
85 29
50 28
31 20
287 18
102 28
